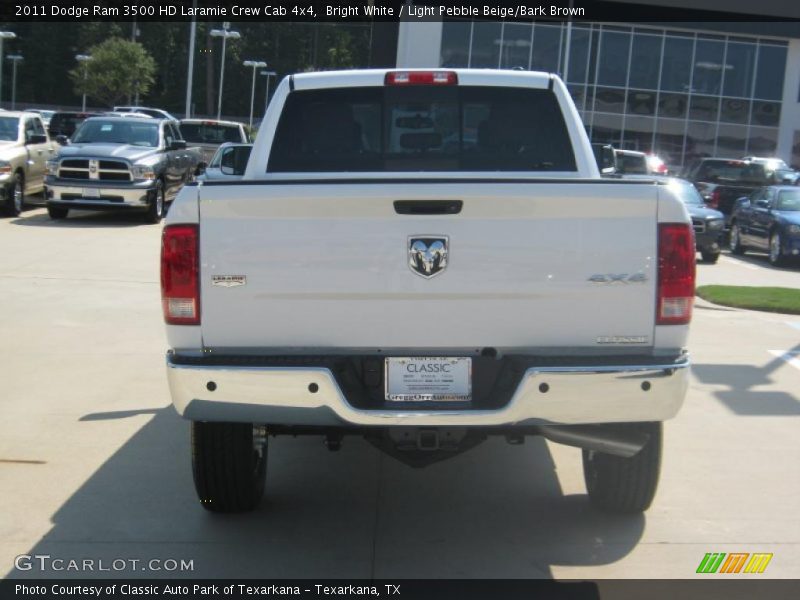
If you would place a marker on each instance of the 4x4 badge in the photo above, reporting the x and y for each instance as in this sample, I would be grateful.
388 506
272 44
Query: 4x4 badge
427 254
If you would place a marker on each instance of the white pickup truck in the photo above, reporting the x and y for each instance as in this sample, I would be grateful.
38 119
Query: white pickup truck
426 258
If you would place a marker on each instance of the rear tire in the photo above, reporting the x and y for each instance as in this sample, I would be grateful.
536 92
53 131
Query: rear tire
709 256
57 213
625 485
229 464
735 241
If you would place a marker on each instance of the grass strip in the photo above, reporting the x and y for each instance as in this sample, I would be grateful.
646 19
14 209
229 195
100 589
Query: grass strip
767 299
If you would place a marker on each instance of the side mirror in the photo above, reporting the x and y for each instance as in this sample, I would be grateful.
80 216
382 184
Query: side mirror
62 139
609 160
742 202
177 145
606 158
234 160
762 203
36 138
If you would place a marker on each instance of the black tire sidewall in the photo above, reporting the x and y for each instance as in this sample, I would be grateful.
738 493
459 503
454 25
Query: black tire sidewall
625 485
228 476
778 261
11 191
153 215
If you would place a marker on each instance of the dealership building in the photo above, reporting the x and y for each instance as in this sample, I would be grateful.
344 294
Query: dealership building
682 90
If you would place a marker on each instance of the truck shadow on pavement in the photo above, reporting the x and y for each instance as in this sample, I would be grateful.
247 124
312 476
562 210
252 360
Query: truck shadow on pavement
741 397
496 511
82 219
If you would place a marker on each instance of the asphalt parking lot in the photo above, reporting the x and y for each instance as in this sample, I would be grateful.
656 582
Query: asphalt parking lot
94 462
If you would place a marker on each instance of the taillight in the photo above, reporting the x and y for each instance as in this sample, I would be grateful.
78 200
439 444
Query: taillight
420 78
713 199
180 266
676 273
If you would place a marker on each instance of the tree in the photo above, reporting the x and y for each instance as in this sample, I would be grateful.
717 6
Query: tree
118 69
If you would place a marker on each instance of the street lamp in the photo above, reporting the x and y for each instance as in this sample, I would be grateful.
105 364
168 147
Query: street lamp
83 58
15 58
4 35
256 64
224 33
190 68
267 74
135 33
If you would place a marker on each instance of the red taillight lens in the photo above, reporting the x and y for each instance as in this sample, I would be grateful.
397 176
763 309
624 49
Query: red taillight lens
713 199
421 78
676 273
180 266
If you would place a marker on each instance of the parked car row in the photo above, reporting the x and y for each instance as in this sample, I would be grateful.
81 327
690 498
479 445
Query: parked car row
722 181
752 203
135 158
707 223
138 158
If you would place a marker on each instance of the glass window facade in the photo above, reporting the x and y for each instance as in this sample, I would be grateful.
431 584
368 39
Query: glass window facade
680 94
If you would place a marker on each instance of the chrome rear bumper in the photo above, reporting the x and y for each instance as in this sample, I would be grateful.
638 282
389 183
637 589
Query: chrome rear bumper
545 395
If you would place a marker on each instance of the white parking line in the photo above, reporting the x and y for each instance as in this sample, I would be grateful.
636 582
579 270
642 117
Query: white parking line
792 358
744 264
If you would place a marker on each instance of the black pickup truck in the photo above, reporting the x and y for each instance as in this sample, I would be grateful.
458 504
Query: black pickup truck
722 181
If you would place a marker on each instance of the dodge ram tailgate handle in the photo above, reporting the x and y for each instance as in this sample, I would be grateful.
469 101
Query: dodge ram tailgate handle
428 207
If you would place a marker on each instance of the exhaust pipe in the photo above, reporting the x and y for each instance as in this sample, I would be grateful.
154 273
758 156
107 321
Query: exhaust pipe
618 440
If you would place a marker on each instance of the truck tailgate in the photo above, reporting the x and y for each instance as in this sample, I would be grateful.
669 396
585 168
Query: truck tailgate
326 265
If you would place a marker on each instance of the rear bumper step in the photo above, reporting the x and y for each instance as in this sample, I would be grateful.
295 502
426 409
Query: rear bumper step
558 395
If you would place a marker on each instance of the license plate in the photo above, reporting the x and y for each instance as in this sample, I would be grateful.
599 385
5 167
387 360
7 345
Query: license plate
91 193
428 379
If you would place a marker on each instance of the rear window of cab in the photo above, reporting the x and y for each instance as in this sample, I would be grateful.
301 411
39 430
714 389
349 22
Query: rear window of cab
421 128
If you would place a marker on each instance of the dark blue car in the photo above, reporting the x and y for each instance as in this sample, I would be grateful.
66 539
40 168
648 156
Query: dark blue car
768 220
708 223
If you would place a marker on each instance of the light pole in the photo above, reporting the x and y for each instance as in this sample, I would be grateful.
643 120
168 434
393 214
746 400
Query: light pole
190 68
256 64
135 32
224 33
15 58
4 35
267 74
84 59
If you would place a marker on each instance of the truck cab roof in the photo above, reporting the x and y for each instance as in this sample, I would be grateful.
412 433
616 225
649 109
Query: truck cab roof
378 77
